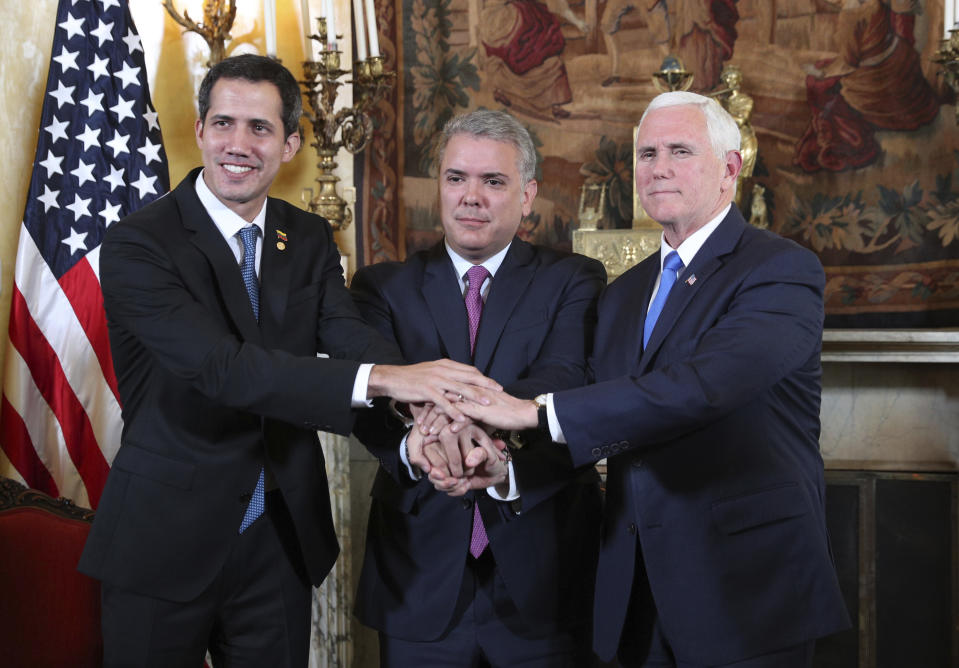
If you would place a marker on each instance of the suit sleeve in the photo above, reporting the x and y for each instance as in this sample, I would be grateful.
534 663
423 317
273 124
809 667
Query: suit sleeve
378 429
156 318
771 327
342 331
543 468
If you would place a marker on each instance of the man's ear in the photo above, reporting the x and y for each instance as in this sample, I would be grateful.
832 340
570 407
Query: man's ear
292 146
529 194
731 168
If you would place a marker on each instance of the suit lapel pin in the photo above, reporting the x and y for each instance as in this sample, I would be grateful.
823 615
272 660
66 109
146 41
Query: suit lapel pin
280 240
691 280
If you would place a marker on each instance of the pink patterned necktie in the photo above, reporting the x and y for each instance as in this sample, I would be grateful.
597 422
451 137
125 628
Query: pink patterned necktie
474 310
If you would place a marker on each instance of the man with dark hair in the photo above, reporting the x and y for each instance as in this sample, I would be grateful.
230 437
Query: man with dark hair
502 576
215 519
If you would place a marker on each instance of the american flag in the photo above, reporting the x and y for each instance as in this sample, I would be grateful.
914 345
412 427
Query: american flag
99 157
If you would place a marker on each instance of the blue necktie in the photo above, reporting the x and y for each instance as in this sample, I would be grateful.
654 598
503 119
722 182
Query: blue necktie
671 268
248 271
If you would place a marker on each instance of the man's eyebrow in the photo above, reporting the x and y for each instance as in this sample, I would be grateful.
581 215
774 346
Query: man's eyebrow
451 171
670 145
252 121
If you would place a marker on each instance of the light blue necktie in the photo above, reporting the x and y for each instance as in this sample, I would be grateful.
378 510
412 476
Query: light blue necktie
248 271
671 268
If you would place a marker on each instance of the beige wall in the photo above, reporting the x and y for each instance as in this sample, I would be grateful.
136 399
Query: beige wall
175 64
27 31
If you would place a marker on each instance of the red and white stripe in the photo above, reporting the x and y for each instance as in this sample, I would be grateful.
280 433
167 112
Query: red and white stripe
60 413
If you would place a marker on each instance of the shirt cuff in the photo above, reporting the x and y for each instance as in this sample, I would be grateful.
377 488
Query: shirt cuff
414 473
360 387
555 430
513 493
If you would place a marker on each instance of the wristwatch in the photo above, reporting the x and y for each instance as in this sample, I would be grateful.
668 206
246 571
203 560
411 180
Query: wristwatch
542 417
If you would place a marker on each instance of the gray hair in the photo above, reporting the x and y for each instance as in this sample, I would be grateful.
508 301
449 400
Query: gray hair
495 125
720 126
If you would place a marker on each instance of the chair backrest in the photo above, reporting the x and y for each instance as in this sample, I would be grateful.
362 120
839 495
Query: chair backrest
49 612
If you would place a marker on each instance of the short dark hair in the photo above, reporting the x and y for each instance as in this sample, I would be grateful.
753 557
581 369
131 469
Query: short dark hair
256 68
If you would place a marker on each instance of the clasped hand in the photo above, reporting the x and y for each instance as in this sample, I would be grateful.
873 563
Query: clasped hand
456 457
455 408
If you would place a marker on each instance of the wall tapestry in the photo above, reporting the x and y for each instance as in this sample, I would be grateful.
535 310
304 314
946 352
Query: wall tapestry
857 134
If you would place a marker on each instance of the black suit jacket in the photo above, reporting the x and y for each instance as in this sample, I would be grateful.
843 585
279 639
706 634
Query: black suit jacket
209 394
712 434
534 335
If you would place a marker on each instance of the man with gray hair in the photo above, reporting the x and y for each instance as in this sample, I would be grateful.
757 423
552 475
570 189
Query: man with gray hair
501 575
705 400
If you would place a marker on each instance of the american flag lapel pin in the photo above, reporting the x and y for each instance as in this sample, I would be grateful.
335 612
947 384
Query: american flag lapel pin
280 240
691 280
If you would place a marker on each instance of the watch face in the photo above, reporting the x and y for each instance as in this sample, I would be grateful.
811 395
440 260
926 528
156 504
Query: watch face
540 400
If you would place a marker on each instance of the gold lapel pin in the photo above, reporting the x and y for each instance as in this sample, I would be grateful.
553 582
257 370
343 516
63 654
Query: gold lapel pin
280 240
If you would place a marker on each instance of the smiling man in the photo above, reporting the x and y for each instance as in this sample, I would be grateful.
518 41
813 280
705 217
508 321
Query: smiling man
215 520
499 577
705 402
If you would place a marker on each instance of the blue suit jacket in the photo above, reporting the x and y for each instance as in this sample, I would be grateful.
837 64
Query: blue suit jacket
534 336
209 393
712 438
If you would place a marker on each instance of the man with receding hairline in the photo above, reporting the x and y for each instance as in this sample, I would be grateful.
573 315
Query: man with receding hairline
705 401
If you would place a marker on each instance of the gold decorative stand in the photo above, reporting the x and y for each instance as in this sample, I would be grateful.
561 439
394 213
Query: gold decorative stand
218 16
353 124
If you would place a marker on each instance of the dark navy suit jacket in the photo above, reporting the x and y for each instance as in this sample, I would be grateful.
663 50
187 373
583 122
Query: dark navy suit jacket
534 336
712 437
209 394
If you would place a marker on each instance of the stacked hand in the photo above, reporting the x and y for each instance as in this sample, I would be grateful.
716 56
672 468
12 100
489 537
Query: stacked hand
440 383
456 460
455 408
462 455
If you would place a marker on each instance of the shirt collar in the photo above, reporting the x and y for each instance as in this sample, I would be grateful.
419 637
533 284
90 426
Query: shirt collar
228 222
688 249
462 265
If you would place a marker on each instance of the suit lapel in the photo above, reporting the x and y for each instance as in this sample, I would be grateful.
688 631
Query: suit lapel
707 261
279 244
445 302
226 271
506 289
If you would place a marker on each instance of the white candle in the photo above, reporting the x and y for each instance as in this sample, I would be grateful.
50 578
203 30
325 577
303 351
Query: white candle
949 16
360 29
371 24
269 26
330 25
307 29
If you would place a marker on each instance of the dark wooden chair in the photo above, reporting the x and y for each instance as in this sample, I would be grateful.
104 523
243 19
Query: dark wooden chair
49 612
